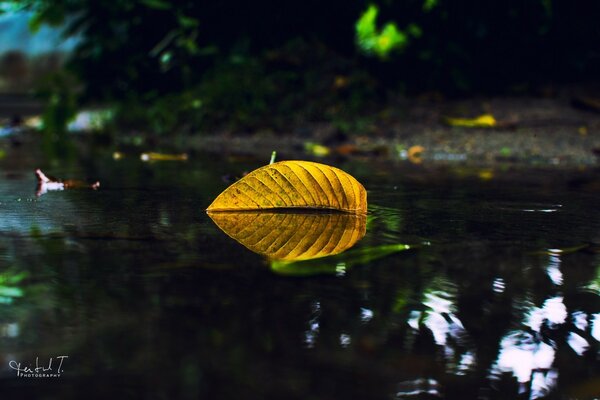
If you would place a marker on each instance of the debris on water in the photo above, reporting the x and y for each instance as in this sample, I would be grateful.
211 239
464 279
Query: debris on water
163 157
415 154
49 183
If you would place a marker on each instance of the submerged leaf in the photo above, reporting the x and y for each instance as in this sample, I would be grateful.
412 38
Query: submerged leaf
294 184
292 236
337 263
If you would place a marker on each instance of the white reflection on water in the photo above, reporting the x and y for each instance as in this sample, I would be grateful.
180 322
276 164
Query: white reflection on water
520 354
439 318
577 343
523 352
542 383
596 327
553 270
418 387
498 286
580 320
466 363
528 358
553 311
366 315
345 340
310 335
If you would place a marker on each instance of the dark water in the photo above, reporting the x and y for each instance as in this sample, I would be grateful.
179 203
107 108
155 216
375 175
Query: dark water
498 296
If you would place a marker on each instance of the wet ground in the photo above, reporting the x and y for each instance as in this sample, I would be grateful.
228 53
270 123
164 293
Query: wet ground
497 295
530 131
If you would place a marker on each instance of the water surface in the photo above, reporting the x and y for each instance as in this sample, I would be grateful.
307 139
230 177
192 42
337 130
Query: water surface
497 297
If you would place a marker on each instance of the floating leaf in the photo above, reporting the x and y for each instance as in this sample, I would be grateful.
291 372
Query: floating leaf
293 185
292 236
483 121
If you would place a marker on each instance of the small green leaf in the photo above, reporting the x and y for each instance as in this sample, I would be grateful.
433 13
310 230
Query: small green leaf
338 263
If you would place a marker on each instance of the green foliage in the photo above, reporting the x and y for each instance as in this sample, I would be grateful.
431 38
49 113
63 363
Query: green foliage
59 92
429 5
179 63
380 43
10 282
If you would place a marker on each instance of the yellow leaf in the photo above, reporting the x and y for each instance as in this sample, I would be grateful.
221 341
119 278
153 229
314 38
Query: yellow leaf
163 157
415 153
483 121
294 184
292 236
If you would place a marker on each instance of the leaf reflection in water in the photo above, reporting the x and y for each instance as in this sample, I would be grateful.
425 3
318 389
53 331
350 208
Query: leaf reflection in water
292 236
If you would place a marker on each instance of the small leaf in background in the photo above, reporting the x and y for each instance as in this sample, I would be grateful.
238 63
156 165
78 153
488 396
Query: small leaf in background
485 174
163 157
415 154
292 236
483 121
294 184
316 149
337 264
